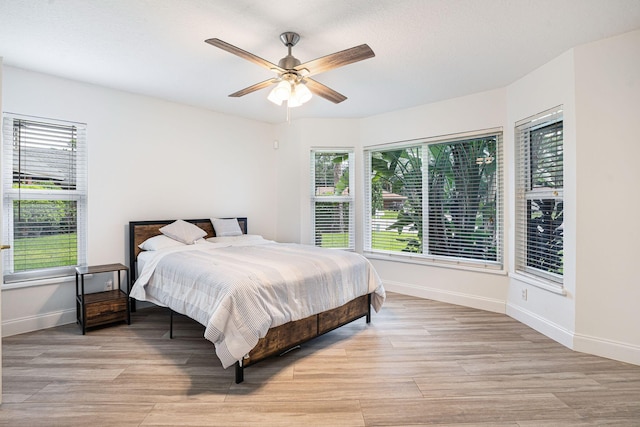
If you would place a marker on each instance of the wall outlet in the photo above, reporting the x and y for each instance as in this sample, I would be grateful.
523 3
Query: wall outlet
108 285
524 294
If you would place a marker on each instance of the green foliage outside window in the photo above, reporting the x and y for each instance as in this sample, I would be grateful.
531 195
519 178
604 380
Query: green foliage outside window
460 194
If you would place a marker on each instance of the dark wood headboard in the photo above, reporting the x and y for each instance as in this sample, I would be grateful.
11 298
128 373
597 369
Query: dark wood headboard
139 231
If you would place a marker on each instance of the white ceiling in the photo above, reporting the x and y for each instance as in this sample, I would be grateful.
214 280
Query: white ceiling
426 50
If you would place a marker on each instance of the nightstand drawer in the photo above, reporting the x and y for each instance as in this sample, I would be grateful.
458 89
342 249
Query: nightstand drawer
105 307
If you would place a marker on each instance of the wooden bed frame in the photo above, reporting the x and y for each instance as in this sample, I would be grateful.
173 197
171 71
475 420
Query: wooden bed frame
278 340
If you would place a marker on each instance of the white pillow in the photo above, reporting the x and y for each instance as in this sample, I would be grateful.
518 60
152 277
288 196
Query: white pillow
226 227
158 242
183 231
232 239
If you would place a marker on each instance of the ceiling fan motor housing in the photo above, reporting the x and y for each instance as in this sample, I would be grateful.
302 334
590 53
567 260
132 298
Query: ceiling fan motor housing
289 39
289 62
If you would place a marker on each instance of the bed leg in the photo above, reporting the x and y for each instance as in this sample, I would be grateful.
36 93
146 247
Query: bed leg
170 324
369 309
239 373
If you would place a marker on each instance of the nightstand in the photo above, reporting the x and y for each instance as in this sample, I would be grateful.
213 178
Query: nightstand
100 308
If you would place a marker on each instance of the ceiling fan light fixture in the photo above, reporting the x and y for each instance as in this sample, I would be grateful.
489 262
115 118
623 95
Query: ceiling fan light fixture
301 93
274 99
280 93
293 102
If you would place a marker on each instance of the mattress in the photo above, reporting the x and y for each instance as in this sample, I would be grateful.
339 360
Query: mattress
240 290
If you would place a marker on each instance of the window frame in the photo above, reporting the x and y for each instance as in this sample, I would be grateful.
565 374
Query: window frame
425 257
527 192
76 194
348 199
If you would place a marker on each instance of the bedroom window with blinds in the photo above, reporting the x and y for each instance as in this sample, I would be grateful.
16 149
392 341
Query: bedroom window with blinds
44 197
438 199
539 196
332 198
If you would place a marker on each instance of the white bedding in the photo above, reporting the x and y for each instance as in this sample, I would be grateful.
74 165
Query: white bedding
240 290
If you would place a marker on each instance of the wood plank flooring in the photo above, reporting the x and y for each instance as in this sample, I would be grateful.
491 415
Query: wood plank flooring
419 362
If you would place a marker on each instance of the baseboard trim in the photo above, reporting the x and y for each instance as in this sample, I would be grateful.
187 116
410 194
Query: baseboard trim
542 325
610 349
457 298
37 322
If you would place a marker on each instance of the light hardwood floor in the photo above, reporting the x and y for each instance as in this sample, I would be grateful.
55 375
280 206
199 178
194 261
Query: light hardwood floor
419 362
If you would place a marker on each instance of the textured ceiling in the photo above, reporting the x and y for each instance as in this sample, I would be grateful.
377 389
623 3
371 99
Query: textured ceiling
426 50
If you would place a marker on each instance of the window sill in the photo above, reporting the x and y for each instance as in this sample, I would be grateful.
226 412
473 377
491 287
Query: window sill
431 262
539 283
37 282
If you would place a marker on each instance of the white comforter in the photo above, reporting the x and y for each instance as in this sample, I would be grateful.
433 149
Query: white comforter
239 291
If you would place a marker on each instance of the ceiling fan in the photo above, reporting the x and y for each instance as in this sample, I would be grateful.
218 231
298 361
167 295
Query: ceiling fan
293 81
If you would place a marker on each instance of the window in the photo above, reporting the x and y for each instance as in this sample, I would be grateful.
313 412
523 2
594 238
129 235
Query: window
332 199
44 197
437 199
539 191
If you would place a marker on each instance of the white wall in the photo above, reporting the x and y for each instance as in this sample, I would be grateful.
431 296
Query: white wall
608 197
148 159
294 162
137 141
547 87
484 290
481 111
598 86
287 191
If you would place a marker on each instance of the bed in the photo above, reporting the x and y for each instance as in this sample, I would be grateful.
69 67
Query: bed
256 298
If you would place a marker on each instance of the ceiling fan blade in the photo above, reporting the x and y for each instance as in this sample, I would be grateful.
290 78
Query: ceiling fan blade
253 88
338 59
244 54
324 91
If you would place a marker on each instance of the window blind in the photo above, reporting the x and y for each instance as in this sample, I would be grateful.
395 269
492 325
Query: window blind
439 199
331 198
395 203
465 218
44 197
539 196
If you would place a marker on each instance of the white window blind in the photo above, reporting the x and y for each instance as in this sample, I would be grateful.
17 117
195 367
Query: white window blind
396 200
539 191
332 199
438 199
44 197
